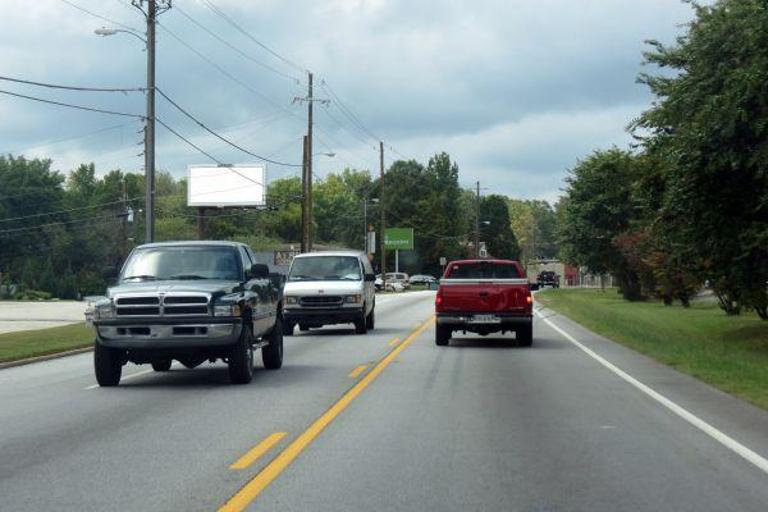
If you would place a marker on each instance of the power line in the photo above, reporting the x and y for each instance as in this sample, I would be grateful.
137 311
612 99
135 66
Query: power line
225 17
103 18
70 105
221 137
22 217
66 222
71 87
177 134
235 48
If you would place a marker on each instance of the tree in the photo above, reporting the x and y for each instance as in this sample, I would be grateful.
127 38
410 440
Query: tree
599 208
710 124
497 233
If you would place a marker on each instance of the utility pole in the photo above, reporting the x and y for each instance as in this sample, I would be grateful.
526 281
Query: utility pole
305 184
383 207
151 13
477 221
309 164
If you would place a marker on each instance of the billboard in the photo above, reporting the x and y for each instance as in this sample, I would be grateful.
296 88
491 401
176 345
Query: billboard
219 186
400 239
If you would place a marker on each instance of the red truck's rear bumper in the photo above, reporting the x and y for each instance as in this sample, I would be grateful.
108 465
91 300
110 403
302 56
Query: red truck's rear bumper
466 321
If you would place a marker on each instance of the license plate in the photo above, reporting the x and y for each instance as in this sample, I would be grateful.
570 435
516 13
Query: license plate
484 319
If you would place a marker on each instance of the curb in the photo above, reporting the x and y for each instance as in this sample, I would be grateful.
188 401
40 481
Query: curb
46 357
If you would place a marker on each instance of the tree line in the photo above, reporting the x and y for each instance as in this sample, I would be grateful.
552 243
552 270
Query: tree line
688 203
61 232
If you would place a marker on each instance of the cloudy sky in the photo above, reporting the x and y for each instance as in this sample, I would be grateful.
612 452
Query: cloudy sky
514 90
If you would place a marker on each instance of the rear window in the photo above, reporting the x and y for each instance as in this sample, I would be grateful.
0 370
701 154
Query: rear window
483 270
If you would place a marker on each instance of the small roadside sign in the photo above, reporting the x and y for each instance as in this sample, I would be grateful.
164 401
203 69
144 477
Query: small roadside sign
443 261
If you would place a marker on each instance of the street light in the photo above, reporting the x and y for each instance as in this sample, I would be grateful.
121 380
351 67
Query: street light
108 31
329 154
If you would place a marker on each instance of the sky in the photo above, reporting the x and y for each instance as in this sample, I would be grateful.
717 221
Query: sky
516 91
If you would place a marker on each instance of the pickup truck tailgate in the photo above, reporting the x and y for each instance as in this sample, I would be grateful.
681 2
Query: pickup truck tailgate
484 295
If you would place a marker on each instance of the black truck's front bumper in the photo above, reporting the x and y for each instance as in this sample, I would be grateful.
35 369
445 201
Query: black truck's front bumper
168 333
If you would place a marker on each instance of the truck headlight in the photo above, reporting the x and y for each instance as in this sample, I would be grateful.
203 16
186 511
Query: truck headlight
226 310
291 300
103 311
353 299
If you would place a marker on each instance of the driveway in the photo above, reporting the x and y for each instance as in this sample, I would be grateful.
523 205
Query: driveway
26 316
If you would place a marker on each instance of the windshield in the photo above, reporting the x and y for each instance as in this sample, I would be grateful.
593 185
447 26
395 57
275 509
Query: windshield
182 262
325 268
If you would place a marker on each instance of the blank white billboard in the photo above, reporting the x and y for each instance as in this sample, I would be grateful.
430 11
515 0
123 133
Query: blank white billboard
236 185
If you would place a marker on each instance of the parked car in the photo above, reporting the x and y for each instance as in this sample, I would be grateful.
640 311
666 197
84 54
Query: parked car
325 288
548 278
378 283
484 296
398 278
189 301
422 279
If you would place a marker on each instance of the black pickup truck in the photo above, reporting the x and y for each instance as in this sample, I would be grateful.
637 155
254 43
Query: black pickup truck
192 302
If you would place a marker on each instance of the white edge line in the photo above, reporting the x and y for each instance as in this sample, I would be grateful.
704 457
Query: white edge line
137 374
691 418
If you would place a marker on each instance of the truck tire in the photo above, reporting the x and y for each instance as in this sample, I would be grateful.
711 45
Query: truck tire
288 328
161 366
524 335
241 358
272 354
361 324
442 335
370 320
108 365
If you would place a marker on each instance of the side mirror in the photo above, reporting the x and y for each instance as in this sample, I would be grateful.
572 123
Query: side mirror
258 271
534 286
370 278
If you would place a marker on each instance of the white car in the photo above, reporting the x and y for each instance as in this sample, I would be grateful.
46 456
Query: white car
397 279
325 288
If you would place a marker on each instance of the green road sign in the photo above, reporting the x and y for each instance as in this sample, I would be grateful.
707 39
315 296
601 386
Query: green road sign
400 239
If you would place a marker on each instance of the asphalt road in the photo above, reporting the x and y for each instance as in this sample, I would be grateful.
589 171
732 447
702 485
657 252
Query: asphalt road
478 425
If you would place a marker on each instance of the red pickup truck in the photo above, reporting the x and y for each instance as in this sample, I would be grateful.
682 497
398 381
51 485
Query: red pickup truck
484 296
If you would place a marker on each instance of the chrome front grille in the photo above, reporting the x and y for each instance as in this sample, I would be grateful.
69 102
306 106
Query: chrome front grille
167 305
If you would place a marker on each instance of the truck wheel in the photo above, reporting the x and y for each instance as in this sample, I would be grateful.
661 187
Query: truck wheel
241 359
525 335
108 365
361 324
162 366
442 335
288 328
272 354
370 320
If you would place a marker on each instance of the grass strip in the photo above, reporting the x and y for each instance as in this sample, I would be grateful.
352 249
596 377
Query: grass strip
24 344
728 352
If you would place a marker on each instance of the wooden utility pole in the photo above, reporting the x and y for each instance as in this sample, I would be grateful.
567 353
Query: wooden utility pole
305 198
309 164
383 207
477 221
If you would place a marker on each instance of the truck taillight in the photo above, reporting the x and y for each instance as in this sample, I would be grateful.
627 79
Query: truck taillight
438 300
529 299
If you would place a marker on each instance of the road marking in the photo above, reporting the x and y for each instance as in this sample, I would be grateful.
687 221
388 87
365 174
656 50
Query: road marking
722 438
258 450
137 374
357 371
253 488
394 342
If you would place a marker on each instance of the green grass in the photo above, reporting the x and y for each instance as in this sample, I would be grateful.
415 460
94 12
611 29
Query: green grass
730 353
24 344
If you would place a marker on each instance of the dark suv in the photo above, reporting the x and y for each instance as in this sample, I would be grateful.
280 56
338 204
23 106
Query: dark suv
189 301
548 278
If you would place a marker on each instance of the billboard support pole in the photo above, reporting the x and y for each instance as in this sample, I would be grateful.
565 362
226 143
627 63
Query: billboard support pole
201 223
383 207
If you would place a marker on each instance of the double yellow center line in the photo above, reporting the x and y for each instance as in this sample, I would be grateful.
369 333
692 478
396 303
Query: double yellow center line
254 487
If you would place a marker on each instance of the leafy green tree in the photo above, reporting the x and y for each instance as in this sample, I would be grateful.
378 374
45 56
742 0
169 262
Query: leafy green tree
710 123
497 233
